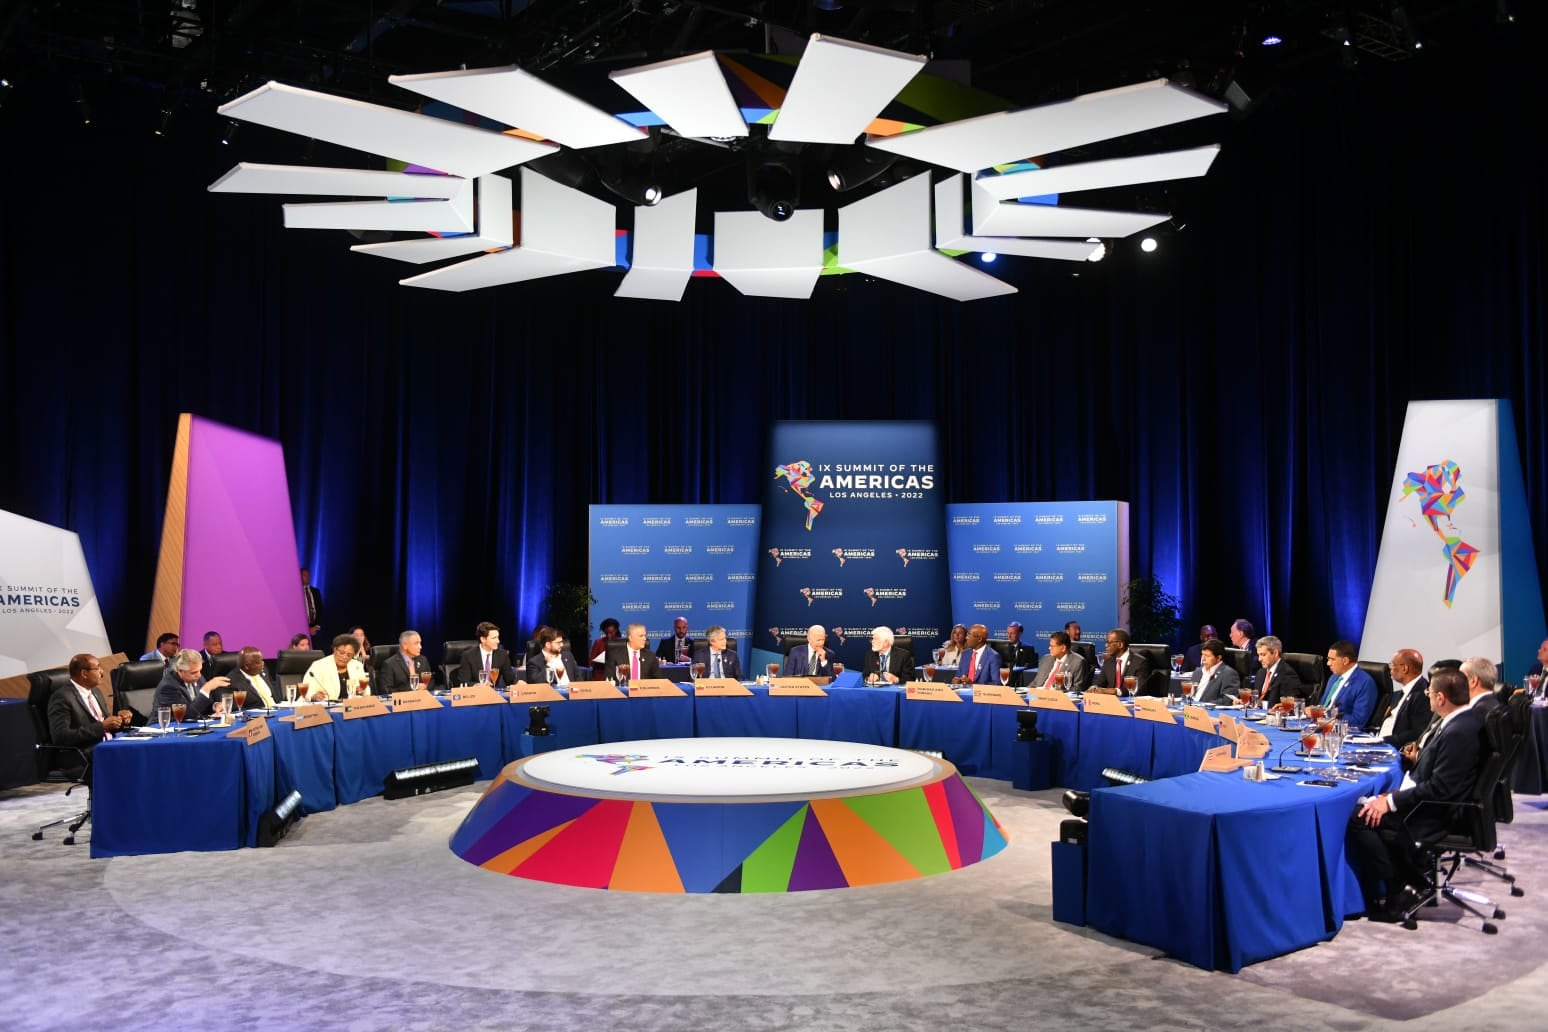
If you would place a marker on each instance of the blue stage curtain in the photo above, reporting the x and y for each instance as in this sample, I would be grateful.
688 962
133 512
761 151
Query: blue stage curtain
1364 243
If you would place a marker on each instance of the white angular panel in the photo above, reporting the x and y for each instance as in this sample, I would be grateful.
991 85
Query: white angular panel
977 143
247 177
1008 218
838 88
689 93
496 220
764 258
951 235
562 230
1099 175
887 235
496 228
454 215
418 139
519 98
662 262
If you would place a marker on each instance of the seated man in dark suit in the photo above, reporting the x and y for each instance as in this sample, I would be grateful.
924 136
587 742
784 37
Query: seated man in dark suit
1215 678
1408 711
1382 833
251 677
1351 690
1541 666
1191 655
1482 678
978 664
718 660
1242 632
78 716
633 656
676 647
812 659
487 664
1276 678
213 646
1018 652
1062 660
405 671
1120 665
553 663
184 683
885 663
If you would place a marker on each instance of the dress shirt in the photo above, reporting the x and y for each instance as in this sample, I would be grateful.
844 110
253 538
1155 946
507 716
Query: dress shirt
1392 714
1054 669
1430 736
975 659
1204 679
90 702
556 664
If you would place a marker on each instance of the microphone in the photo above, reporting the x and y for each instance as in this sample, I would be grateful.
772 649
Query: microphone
1281 761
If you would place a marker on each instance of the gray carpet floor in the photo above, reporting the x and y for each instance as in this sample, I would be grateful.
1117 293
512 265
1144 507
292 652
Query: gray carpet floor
364 919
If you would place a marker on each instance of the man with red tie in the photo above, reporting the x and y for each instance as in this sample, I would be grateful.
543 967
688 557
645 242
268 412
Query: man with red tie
979 664
1276 678
1120 665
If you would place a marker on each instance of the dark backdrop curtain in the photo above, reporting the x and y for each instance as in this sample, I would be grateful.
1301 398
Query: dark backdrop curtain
1365 243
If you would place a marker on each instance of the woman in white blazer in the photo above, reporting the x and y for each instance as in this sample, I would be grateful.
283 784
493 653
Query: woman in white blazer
331 676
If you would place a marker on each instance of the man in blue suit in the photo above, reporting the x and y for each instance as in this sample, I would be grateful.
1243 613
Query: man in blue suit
979 663
718 660
1351 689
812 659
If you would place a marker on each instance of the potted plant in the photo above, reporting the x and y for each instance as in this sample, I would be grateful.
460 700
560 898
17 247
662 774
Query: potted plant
1153 614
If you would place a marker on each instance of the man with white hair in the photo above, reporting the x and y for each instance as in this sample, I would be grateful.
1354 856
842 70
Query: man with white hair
812 659
885 663
405 671
1481 679
184 683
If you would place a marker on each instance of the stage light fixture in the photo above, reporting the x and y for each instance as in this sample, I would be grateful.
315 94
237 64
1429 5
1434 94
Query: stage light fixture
630 185
165 123
1099 253
276 824
988 257
232 127
1078 803
1148 245
537 721
773 182
850 167
1026 726
1272 40
1405 26
429 777
1118 776
83 108
1504 12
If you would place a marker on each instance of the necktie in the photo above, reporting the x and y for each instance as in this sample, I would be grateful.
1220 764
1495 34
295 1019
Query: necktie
1118 673
881 664
811 662
1053 671
1268 675
973 666
410 661
91 701
634 665
1429 732
714 664
488 658
1338 682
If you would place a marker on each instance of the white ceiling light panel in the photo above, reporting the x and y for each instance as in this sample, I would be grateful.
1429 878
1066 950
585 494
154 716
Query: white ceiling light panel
1099 175
333 182
1009 218
764 258
520 99
454 215
951 233
838 88
496 228
662 261
688 93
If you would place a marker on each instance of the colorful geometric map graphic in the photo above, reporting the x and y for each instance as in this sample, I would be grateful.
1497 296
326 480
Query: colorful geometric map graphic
801 477
1439 489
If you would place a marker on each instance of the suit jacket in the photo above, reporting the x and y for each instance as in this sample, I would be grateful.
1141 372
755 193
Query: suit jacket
316 606
988 671
900 662
170 690
1484 703
209 663
471 669
618 655
1413 714
1138 668
796 664
239 681
324 673
393 676
1355 696
1020 654
1225 681
1075 672
1285 683
537 668
730 666
666 649
1193 656
70 722
1444 772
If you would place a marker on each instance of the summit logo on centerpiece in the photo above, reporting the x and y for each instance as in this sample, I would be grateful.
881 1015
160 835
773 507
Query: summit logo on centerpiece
622 763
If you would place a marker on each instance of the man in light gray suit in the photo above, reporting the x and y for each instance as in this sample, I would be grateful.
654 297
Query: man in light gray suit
1062 660
1214 678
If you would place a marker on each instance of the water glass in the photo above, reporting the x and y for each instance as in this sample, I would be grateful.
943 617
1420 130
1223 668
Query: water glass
163 716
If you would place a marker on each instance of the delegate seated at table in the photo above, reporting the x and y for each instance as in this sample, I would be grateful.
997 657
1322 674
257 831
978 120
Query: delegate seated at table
677 644
1408 710
885 663
718 660
77 713
814 659
553 663
184 683
951 648
330 677
979 663
1350 689
252 678
1061 659
635 654
1120 664
488 663
1276 678
405 671
1215 678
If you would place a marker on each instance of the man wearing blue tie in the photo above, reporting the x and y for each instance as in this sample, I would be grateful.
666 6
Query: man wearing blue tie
718 660
812 659
1351 689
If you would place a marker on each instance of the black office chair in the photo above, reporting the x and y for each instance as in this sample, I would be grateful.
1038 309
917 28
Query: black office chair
1001 647
290 665
379 655
1383 678
1311 668
134 686
1468 830
223 665
904 641
451 658
1087 651
57 763
1519 725
1158 656
790 641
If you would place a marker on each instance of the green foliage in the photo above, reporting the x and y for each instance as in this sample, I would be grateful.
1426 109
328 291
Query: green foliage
568 607
1153 614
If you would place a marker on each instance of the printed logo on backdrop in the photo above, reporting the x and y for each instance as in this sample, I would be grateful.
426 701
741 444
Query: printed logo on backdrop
779 555
698 578
1048 519
626 763
656 521
1007 521
1048 578
843 555
801 478
1032 549
907 554
741 578
983 549
1091 517
634 549
634 607
966 576
1092 578
678 549
964 521
986 605
740 521
657 578
614 578
1008 578
878 594
1070 607
613 521
719 606
702 521
838 632
1439 489
719 549
1069 548
1026 606
813 594
35 600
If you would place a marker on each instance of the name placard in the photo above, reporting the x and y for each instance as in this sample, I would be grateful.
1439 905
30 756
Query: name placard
1252 745
1197 718
720 687
580 690
409 702
1050 699
1149 702
254 731
1107 705
655 688
797 686
1219 759
1230 730
930 691
312 716
365 706
537 691
996 695
1159 714
476 695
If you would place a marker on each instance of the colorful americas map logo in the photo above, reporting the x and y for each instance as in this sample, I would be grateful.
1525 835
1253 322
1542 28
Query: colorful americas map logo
801 478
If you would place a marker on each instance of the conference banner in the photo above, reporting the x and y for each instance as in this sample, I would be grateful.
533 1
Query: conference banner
853 534
1457 572
1040 563
651 564
48 607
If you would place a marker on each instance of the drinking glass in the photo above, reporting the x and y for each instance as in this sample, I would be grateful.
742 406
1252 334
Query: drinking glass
1056 679
424 680
773 670
1005 675
939 654
621 674
179 711
1244 697
930 670
219 710
1308 742
1177 661
698 671
1174 696
1253 698
838 668
290 694
163 716
240 695
1333 740
1128 683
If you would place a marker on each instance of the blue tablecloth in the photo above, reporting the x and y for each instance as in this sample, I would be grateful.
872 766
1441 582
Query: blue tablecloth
569 724
366 750
1222 872
1531 774
303 762
630 720
758 715
458 732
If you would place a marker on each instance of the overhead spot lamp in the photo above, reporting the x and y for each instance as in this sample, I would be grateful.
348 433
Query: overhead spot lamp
850 167
773 182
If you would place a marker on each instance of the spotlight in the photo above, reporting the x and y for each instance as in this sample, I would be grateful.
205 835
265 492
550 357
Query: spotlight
630 185
1115 776
1271 40
537 721
232 128
1504 12
988 257
1100 252
1148 245
274 825
773 182
849 167
429 777
83 108
166 120
1347 54
1026 726
1405 27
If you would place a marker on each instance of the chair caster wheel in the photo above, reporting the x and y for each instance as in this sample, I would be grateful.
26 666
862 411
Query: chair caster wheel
1499 854
1516 890
1489 929
1499 914
69 840
1411 925
37 836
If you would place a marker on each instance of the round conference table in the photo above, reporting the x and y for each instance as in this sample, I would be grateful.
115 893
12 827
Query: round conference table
1148 842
